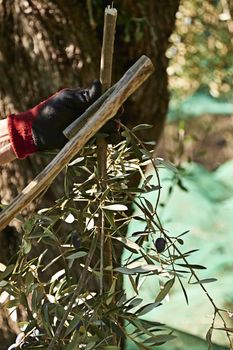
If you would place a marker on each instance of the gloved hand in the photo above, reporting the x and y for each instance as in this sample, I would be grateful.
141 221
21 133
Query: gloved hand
41 128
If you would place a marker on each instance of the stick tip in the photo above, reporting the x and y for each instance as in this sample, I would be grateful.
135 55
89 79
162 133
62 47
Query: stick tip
110 11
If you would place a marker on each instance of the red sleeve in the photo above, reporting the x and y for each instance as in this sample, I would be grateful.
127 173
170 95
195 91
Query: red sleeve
20 132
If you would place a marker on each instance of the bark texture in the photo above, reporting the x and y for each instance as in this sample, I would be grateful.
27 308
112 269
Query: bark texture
49 44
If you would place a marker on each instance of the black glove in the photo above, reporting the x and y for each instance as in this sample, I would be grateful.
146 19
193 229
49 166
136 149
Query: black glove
58 112
41 128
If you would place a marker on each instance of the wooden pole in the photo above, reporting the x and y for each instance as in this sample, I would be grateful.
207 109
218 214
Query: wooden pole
110 16
130 81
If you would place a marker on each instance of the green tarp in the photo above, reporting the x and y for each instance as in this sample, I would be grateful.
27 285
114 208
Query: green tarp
198 104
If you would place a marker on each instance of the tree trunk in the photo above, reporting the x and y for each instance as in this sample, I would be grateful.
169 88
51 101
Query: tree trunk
46 45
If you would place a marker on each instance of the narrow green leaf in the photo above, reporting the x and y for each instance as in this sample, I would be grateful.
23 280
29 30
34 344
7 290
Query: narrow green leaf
140 233
132 246
59 311
139 218
3 283
147 268
166 164
142 326
73 324
148 178
4 274
73 345
157 340
37 297
209 336
12 303
151 188
136 150
38 347
28 225
125 271
133 190
23 300
90 345
166 288
147 154
77 255
149 205
184 233
134 303
133 284
46 318
26 247
111 292
110 217
193 266
205 280
147 308
140 345
184 291
141 127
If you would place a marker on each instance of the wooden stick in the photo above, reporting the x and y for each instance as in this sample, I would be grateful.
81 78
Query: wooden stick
78 123
110 16
130 81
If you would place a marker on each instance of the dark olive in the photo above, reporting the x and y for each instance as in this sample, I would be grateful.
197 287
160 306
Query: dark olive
75 239
160 244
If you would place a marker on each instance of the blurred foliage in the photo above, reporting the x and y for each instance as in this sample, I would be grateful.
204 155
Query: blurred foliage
202 48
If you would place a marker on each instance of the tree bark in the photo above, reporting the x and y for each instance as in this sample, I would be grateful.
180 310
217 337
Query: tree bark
46 45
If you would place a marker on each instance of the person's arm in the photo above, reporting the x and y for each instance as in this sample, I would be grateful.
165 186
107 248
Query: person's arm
41 127
6 151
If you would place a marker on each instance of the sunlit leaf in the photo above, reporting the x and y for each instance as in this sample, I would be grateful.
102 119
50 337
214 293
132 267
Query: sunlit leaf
69 219
76 161
125 271
128 244
141 127
26 246
115 207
